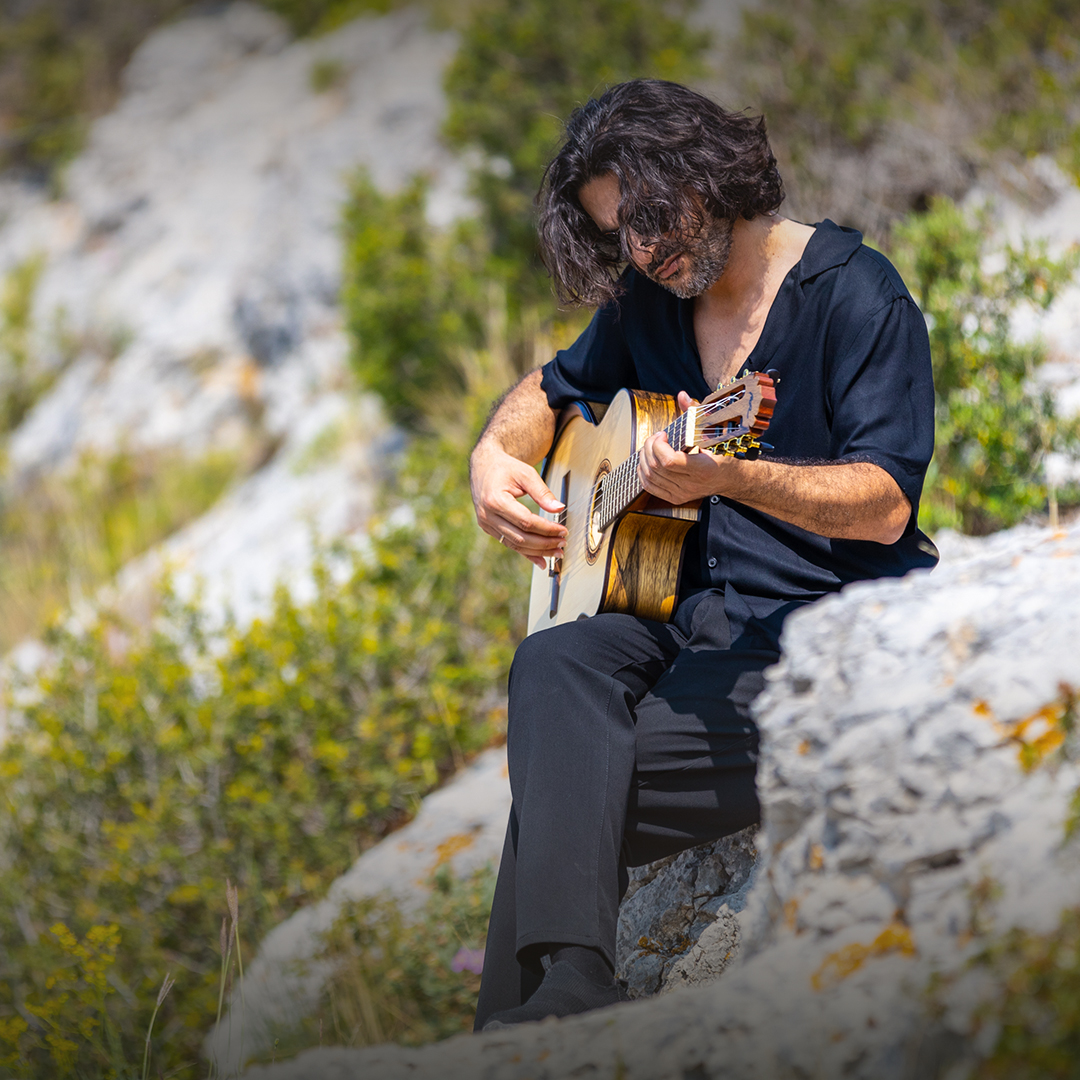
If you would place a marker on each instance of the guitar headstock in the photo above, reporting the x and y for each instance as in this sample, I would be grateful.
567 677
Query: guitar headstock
732 419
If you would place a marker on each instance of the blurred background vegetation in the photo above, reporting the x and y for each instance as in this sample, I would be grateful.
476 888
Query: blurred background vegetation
150 766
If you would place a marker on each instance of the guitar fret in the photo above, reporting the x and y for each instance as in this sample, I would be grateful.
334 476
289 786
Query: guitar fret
622 485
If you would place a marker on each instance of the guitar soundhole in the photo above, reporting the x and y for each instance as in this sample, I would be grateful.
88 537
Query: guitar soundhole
593 534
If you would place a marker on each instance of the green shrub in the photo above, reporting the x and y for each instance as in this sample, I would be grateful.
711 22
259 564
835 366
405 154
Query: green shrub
320 16
59 66
147 770
22 381
414 298
994 426
409 980
1039 1011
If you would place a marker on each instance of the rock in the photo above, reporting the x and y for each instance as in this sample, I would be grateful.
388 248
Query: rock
194 257
677 921
915 791
267 531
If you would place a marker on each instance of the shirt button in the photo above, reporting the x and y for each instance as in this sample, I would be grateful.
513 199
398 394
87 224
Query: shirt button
712 564
715 499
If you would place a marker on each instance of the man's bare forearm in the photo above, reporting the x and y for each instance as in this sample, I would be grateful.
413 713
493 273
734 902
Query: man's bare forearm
848 500
523 423
845 500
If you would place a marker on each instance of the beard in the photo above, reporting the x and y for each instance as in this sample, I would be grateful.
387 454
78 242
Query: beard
705 255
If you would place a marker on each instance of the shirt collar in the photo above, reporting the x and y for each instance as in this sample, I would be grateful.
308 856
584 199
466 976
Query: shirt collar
831 245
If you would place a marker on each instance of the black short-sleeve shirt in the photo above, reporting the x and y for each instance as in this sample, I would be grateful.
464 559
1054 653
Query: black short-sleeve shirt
851 351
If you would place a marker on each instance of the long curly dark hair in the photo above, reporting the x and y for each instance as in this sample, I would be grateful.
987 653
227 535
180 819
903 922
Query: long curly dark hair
676 154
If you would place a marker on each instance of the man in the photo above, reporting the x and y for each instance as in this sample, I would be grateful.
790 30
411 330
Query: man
629 740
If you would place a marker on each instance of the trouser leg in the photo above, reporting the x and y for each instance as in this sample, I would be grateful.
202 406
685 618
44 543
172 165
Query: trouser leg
505 980
627 741
696 753
570 748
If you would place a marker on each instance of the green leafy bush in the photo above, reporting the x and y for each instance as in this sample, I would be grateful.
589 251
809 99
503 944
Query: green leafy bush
405 979
320 16
147 770
1039 1013
414 298
994 426
59 66
21 380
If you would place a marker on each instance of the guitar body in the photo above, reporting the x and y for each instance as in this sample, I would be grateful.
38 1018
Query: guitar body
633 565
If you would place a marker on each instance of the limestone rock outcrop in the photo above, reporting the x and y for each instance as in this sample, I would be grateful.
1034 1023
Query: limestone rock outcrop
190 267
917 776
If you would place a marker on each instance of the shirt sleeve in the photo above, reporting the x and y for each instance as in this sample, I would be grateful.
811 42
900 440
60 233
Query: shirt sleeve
881 396
595 367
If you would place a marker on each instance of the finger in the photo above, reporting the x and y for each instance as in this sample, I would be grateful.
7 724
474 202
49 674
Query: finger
539 561
665 456
525 542
506 509
649 451
684 400
541 494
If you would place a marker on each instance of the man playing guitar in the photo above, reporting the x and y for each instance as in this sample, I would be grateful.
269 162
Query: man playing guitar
629 739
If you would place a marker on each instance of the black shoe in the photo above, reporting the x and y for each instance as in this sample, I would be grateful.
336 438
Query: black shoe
564 992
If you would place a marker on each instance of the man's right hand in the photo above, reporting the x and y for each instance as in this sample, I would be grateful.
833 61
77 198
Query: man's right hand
498 480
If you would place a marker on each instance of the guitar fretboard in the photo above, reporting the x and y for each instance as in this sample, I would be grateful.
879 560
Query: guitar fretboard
622 485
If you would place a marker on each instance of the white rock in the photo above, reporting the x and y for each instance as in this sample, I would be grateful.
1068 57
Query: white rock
196 252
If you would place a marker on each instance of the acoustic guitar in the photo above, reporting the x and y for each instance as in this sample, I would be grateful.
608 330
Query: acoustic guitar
624 547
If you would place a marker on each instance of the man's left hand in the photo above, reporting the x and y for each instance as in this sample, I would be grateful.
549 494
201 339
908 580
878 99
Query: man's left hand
676 476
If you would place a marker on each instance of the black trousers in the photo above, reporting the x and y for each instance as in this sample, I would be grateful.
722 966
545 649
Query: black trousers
628 740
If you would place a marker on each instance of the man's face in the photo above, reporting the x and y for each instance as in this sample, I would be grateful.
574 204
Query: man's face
683 263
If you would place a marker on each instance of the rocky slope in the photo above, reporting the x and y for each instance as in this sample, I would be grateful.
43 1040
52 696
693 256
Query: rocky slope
191 266
916 785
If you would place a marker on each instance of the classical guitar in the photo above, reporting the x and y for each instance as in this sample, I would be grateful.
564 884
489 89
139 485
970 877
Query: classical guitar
624 546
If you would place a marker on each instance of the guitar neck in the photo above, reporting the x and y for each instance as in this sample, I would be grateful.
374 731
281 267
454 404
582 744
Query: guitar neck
728 421
622 486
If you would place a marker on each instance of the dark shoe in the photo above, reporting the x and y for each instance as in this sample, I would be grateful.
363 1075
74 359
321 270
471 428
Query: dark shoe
564 992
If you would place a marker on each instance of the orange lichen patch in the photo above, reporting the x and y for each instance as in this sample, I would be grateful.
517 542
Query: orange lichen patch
804 747
1063 553
817 857
543 1055
982 708
791 909
452 845
678 945
837 966
1042 732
